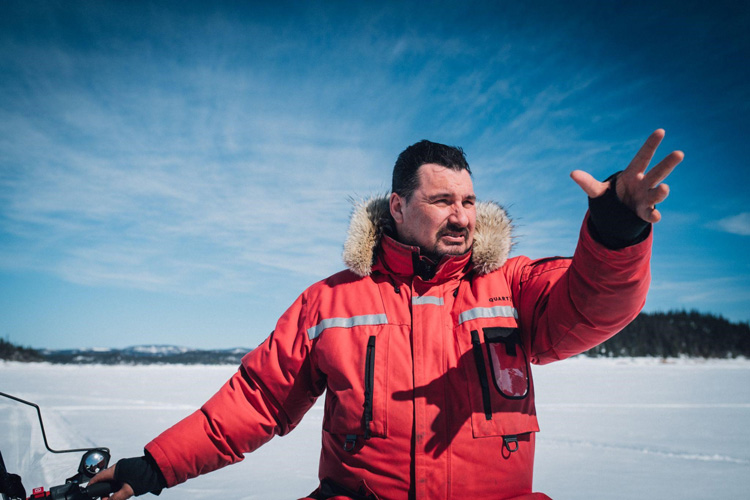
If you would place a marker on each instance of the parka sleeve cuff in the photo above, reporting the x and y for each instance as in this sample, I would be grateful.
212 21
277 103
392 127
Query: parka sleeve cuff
162 462
612 223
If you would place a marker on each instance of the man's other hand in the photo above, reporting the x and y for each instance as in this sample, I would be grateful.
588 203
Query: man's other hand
109 475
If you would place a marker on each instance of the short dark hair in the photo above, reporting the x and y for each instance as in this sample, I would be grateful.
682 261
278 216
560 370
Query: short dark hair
405 179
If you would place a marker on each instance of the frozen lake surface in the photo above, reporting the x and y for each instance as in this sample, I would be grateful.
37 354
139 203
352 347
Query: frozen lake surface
614 429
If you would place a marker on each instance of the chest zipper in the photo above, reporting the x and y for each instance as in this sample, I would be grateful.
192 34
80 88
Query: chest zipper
351 439
369 383
482 372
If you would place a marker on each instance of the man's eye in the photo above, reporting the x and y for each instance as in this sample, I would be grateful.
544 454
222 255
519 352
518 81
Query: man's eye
468 203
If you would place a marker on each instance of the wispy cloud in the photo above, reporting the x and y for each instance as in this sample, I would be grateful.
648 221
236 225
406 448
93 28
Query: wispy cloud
109 196
162 222
735 224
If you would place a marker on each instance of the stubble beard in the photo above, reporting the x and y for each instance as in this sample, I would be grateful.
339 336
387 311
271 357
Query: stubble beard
440 249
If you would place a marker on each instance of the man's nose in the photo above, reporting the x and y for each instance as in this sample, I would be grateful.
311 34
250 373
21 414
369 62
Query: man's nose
459 216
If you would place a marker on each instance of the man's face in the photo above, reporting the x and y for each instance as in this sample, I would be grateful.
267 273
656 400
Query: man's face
440 215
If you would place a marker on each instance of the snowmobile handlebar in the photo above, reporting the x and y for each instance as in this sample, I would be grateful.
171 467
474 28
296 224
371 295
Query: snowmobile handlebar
93 461
74 491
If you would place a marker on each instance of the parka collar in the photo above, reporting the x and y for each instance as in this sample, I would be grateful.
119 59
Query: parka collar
371 222
406 261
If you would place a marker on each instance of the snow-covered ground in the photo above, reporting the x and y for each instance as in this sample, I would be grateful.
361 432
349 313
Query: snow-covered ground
614 429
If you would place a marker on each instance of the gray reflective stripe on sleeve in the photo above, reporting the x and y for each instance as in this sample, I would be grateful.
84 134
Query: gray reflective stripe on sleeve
427 299
366 319
488 312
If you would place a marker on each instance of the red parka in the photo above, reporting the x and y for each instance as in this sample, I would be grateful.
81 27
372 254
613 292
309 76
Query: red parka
429 393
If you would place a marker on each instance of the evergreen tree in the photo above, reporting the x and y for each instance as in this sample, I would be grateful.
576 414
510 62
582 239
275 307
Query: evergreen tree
678 333
10 352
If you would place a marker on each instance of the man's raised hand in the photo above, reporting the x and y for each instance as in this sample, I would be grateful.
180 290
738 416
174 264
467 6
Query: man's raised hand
639 190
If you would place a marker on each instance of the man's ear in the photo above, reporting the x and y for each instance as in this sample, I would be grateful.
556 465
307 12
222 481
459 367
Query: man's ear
397 208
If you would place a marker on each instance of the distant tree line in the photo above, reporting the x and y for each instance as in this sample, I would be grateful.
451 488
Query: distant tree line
678 333
666 335
130 357
10 352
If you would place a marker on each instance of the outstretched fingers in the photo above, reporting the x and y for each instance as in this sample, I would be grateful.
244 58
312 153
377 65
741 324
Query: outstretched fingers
661 170
651 215
657 194
647 209
592 187
641 160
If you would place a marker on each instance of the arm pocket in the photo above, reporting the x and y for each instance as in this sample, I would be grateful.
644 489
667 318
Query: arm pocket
508 362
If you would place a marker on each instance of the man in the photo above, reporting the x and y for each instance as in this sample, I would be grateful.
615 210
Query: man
423 346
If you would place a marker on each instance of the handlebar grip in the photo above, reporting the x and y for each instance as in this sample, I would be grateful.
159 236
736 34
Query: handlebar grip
103 489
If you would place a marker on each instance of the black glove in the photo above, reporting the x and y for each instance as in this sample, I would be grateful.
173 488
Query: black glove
612 223
142 474
10 485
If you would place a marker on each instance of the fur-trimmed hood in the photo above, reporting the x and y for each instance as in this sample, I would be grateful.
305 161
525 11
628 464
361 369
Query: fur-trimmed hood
371 217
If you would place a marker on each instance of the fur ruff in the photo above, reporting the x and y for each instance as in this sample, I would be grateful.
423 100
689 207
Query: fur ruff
492 236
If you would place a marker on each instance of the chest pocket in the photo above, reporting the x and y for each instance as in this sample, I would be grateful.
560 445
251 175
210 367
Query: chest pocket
499 381
509 367
356 365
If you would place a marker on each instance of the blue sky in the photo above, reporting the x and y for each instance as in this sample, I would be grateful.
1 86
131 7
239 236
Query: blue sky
177 173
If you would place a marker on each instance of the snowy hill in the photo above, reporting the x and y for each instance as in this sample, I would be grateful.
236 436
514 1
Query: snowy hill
146 354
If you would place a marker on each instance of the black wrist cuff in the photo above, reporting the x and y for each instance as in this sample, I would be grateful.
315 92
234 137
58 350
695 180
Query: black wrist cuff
142 474
612 223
